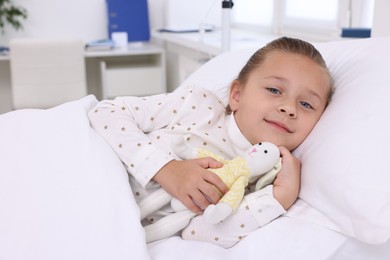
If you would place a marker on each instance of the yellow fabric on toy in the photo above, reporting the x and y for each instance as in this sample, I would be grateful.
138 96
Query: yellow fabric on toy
234 173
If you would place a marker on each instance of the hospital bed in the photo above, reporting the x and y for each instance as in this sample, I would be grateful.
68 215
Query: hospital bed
64 194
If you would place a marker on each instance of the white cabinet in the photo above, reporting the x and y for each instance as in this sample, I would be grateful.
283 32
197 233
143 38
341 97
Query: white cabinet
137 71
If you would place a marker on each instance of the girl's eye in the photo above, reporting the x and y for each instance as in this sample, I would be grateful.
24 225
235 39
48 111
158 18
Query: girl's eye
306 105
274 90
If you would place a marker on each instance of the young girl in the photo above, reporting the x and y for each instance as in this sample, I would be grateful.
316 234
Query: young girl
278 97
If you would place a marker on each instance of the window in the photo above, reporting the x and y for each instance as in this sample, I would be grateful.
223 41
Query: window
324 10
323 18
249 12
313 17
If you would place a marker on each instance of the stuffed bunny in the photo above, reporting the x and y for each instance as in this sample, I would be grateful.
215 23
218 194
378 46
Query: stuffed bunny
261 162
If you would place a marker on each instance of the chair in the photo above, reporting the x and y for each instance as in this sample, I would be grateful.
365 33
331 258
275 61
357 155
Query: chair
46 73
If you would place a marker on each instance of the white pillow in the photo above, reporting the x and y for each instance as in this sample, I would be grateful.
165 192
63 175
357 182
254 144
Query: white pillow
346 165
64 194
345 160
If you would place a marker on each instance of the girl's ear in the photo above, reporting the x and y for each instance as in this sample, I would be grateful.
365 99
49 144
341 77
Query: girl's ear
234 95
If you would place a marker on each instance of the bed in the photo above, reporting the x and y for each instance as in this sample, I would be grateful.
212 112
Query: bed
65 195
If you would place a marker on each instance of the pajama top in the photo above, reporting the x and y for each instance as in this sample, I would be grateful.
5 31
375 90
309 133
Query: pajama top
142 130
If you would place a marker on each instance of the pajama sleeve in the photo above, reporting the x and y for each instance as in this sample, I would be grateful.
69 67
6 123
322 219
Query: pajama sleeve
256 210
126 123
263 206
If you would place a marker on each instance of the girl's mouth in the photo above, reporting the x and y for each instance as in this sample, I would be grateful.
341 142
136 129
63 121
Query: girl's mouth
279 125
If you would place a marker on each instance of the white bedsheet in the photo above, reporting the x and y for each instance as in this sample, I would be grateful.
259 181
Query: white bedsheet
284 238
65 195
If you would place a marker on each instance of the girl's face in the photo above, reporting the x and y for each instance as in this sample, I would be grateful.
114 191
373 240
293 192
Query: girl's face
281 101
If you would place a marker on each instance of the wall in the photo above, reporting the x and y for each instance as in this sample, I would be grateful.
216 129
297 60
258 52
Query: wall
182 15
381 23
84 19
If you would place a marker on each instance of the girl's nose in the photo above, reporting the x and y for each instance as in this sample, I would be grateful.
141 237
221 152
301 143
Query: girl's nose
288 111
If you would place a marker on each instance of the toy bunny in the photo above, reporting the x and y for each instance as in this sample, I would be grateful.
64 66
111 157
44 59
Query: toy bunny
261 161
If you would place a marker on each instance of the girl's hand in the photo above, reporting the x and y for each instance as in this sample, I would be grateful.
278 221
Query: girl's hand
191 183
287 182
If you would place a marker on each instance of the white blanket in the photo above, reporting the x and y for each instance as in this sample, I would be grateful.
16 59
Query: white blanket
63 192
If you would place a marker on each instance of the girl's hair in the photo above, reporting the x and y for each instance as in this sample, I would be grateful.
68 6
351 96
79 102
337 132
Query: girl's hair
288 45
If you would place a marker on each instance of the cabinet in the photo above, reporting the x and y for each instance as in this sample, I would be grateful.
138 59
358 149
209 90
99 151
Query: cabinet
137 71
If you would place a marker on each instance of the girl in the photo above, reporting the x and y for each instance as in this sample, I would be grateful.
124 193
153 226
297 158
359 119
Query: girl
278 97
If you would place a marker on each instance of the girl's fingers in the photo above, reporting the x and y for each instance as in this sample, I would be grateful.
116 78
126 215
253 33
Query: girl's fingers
190 204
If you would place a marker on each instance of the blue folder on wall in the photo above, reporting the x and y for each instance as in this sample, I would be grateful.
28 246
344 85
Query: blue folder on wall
129 16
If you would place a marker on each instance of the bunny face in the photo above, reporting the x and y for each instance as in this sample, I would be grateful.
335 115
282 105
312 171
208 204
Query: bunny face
261 158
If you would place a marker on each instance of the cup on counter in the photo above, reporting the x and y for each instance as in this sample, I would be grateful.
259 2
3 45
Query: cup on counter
120 40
